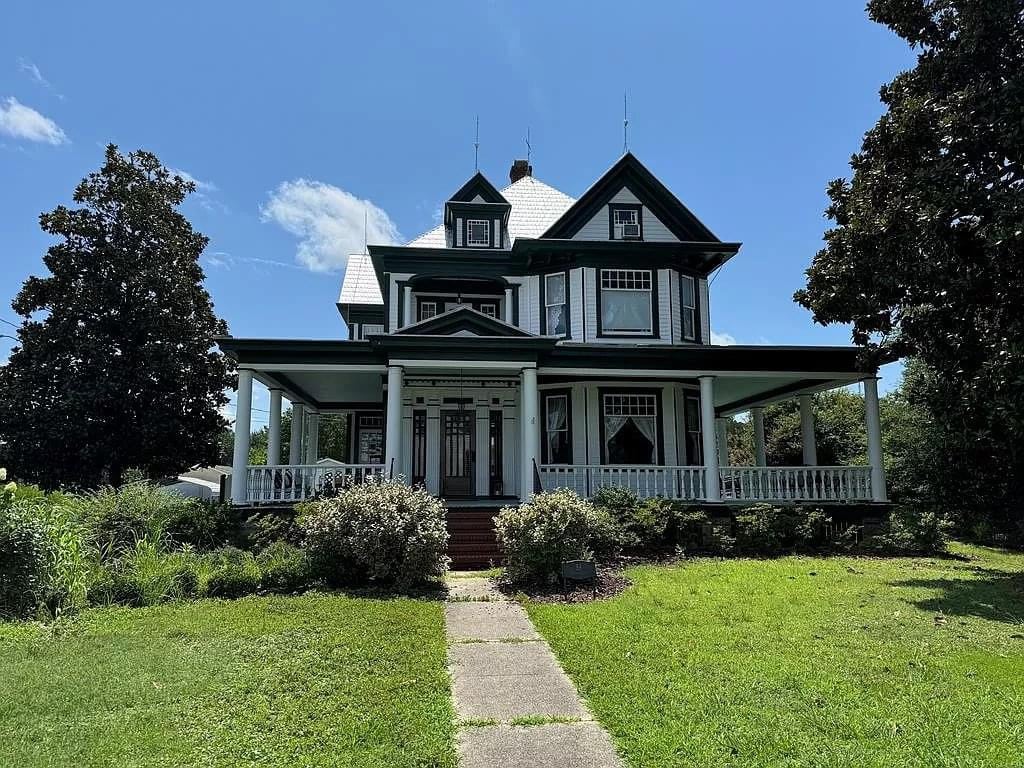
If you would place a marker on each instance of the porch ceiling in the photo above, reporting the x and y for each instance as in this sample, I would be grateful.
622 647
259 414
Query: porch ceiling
327 390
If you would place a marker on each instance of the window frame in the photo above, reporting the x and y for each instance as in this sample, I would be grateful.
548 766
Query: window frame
692 309
602 332
421 305
692 430
545 448
659 431
493 306
545 304
636 208
469 225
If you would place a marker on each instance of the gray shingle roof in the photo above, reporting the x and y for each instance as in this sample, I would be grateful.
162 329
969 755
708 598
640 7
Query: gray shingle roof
535 207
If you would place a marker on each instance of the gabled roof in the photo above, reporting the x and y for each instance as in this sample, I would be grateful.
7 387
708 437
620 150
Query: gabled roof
359 285
478 185
535 206
462 320
630 172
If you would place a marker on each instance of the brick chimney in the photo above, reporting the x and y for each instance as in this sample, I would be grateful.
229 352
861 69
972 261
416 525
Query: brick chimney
519 169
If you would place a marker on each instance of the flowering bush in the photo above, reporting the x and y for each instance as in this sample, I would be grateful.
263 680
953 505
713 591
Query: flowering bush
537 536
377 531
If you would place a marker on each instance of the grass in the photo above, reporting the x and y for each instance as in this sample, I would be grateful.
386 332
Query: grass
319 680
806 661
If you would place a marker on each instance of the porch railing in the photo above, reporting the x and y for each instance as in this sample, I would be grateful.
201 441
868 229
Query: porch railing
298 482
796 483
645 481
791 484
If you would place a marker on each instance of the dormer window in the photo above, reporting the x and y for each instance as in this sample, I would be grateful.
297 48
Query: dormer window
625 222
478 233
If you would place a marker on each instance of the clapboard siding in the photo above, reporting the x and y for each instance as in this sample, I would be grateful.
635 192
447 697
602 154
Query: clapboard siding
579 424
677 318
576 303
665 305
705 311
532 290
654 230
590 302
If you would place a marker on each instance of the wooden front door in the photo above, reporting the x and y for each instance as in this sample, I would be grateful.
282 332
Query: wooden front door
457 453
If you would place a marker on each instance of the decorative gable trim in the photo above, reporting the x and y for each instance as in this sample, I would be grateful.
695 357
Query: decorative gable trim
462 321
478 187
653 195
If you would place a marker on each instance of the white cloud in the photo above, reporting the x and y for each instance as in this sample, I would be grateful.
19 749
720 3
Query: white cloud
23 122
33 72
328 222
722 339
201 186
225 260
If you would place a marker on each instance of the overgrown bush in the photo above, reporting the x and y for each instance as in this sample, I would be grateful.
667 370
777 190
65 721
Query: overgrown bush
147 575
205 525
24 555
117 518
538 535
911 530
689 526
381 531
266 527
640 525
230 573
283 568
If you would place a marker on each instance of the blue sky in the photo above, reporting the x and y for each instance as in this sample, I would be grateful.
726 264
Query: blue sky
295 117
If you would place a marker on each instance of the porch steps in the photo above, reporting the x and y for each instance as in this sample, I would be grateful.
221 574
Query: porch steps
472 543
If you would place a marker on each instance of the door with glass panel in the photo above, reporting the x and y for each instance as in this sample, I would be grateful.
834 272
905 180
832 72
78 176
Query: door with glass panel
457 453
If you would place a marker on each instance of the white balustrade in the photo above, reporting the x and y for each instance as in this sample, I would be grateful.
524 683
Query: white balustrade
297 482
645 481
796 483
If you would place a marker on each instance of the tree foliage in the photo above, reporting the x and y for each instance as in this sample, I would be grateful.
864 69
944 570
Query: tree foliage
115 365
924 257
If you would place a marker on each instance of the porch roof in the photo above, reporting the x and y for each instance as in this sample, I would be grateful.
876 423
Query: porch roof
341 374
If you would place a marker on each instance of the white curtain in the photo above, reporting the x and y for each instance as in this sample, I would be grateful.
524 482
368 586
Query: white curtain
648 429
626 310
646 425
612 425
556 421
556 319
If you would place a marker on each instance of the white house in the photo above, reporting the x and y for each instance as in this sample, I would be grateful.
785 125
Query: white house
533 340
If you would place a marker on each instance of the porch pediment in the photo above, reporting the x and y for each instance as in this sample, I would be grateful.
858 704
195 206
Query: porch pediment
462 321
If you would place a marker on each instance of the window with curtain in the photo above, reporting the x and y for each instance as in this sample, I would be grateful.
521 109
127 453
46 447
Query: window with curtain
694 442
557 442
688 307
627 305
555 307
630 428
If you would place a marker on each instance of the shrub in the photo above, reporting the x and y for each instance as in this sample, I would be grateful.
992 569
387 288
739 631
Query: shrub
23 558
639 525
145 575
911 530
230 573
763 530
283 568
265 528
537 536
377 531
205 525
810 525
117 518
688 529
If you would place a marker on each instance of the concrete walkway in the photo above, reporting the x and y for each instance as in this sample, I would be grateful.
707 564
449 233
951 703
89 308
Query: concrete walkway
513 703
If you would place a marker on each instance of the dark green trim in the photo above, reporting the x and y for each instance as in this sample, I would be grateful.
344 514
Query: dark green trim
659 448
361 313
478 184
655 308
697 338
612 207
462 318
269 352
544 395
543 280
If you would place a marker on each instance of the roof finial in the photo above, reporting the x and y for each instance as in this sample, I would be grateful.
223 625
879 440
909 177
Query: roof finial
529 149
625 124
476 146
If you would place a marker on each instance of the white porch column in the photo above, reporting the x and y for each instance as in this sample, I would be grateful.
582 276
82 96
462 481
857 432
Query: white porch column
757 419
274 431
408 319
722 439
874 428
712 487
508 306
393 423
295 446
240 458
807 431
529 419
312 437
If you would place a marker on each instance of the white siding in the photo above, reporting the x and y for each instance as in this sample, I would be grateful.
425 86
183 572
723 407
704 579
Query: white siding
593 429
654 230
668 422
394 298
665 305
576 304
482 448
705 311
458 233
680 424
579 424
590 302
531 320
676 307
433 478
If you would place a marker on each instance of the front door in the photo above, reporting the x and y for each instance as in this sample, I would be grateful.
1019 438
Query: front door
457 449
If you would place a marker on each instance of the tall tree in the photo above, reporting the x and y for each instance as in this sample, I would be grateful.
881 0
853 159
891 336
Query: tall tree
925 255
115 365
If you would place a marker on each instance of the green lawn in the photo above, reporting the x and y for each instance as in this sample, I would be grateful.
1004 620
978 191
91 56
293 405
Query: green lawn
806 662
317 680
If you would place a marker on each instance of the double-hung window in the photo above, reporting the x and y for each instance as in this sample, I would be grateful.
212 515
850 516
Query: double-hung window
630 428
694 441
557 443
627 302
478 233
688 307
625 223
427 309
556 308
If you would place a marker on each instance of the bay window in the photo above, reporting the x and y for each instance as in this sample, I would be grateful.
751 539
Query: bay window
627 302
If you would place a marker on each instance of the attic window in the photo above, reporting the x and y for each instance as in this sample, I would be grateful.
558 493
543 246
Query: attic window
625 222
478 233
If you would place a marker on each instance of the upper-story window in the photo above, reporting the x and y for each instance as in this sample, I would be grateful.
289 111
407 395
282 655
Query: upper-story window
625 222
688 307
556 308
478 233
627 302
371 329
427 309
489 308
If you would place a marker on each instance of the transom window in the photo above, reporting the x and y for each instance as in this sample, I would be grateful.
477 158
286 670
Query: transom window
627 302
688 307
630 424
557 446
478 233
556 308
427 309
626 223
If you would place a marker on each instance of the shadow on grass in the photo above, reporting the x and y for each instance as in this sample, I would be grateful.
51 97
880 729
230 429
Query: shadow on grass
993 595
